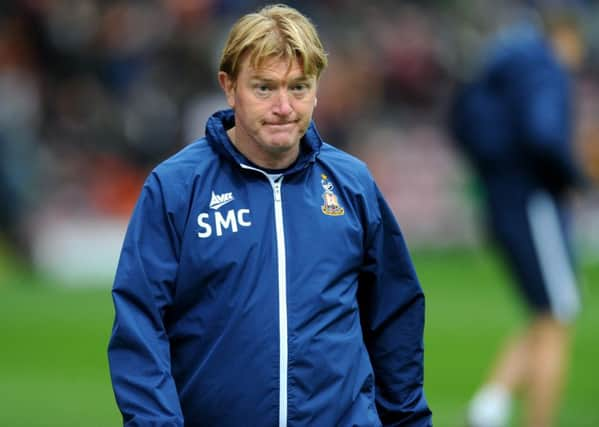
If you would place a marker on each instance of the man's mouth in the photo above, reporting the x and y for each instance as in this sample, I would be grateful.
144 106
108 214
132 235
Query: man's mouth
281 125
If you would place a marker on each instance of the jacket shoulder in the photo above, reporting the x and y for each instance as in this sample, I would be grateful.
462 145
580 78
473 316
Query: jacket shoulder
187 161
174 177
344 162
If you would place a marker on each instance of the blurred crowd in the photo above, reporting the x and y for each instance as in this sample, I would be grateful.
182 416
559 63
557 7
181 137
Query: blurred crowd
94 93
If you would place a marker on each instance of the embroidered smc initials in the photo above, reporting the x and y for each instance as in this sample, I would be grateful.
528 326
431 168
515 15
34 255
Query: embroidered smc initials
217 221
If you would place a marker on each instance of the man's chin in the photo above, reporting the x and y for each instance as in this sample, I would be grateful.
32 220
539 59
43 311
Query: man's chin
282 143
280 148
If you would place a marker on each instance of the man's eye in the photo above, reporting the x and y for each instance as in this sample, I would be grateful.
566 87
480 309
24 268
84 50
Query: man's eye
262 89
300 87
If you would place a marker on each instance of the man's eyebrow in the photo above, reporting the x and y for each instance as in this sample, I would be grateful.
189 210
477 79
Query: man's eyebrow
263 78
301 79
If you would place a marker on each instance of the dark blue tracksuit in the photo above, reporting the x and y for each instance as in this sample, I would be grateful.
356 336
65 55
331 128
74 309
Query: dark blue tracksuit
244 298
514 121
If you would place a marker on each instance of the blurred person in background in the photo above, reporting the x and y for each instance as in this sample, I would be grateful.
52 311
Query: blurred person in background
263 278
20 116
514 120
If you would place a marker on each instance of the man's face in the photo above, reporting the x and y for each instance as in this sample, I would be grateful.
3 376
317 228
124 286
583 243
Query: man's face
273 108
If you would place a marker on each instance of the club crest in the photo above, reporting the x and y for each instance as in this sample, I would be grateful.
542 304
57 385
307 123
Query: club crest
331 204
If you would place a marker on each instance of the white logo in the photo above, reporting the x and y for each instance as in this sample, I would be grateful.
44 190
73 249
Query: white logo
232 221
217 201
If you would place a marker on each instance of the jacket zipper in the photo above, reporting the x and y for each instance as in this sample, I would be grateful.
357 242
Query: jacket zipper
275 182
283 350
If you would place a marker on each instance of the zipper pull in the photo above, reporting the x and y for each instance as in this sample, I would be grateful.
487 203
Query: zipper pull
277 189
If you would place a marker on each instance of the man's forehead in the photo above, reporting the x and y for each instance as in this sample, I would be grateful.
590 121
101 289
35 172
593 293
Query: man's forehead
291 68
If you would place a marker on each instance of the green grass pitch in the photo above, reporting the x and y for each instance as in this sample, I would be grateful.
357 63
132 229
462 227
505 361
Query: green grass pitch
54 371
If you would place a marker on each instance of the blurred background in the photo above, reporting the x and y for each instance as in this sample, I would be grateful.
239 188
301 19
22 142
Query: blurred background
93 94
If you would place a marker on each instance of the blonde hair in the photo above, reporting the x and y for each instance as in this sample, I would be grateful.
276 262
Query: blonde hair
275 31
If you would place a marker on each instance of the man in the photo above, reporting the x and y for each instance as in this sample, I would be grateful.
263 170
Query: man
263 279
514 121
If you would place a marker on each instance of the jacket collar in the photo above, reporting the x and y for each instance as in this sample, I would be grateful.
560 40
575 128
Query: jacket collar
216 134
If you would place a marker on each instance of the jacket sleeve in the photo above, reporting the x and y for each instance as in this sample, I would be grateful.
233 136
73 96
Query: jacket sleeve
138 350
545 120
392 313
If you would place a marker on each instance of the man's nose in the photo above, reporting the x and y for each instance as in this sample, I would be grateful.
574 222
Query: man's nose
282 102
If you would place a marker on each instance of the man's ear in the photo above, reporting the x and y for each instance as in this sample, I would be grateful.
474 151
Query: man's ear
228 86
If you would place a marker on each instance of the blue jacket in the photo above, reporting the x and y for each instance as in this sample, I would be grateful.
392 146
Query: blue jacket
514 119
242 300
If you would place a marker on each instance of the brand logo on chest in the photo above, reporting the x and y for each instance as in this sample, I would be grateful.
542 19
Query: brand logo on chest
218 222
217 201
